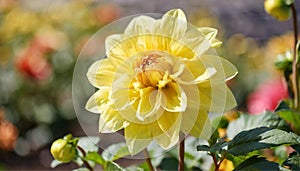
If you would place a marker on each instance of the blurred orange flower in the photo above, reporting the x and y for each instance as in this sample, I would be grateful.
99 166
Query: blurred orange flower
9 135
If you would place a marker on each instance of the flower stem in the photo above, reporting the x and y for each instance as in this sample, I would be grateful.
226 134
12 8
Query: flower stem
295 66
181 153
215 162
148 160
84 161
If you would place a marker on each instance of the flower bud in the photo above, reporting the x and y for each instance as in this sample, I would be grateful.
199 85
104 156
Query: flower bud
278 9
63 151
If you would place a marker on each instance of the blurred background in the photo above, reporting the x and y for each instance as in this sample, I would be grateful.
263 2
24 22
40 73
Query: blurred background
41 40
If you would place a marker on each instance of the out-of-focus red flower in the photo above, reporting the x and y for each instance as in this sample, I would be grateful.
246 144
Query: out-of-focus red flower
32 63
9 135
267 96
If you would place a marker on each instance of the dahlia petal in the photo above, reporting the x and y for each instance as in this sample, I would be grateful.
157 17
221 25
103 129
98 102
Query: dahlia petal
148 104
98 100
112 41
169 123
174 24
208 73
225 69
140 25
167 141
174 98
217 98
190 115
101 73
210 34
138 136
202 127
111 121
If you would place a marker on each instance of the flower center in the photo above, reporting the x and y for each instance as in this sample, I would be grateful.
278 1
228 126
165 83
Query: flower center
153 70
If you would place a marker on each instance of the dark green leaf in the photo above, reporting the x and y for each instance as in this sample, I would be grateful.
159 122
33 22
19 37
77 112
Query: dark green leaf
169 164
115 151
260 138
112 166
214 137
256 163
236 160
247 122
291 117
282 65
293 161
95 157
203 148
282 105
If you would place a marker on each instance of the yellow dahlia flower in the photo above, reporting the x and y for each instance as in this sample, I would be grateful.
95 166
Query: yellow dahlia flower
159 79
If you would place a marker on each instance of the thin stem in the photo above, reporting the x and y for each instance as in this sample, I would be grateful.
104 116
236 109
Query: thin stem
295 66
215 162
84 161
181 153
148 160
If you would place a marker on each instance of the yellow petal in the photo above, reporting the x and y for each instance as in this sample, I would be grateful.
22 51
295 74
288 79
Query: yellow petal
140 25
192 44
169 123
148 104
112 41
225 69
101 73
190 115
174 24
202 127
210 34
174 98
217 98
111 121
138 136
97 101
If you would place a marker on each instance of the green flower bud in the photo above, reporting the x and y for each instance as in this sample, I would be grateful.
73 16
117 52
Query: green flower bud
63 150
278 9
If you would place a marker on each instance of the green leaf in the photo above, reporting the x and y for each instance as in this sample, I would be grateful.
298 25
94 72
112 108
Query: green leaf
282 105
220 122
112 166
293 161
236 160
203 148
55 163
247 122
115 151
95 157
89 143
256 163
291 117
169 164
282 65
260 138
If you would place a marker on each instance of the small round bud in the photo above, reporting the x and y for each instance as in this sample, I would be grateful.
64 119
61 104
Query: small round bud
63 151
278 9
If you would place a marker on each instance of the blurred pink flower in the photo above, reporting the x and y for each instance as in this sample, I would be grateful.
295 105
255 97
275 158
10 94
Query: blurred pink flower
267 96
